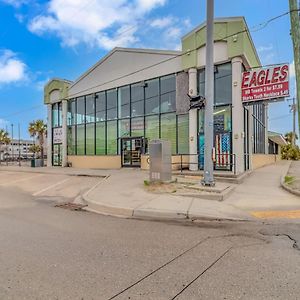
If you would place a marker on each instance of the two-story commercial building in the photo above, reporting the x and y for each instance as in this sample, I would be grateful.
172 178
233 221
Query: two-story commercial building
108 116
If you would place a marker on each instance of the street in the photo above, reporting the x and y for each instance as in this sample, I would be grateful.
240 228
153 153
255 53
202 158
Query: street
53 253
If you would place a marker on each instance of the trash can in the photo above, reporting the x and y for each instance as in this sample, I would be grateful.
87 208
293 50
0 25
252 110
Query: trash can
33 163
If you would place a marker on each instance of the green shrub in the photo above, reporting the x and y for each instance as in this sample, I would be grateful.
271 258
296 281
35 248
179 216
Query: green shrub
290 152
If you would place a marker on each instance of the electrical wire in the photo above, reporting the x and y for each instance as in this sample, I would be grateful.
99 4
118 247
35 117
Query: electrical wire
178 55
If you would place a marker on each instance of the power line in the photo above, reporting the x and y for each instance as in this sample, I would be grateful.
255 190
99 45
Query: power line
180 54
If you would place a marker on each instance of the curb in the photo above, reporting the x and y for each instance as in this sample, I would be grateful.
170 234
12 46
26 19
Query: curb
55 173
150 214
286 187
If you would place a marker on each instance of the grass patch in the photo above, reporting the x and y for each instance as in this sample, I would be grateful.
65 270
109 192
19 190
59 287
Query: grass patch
288 179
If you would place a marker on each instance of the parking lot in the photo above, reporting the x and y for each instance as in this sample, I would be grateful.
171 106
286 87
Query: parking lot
56 187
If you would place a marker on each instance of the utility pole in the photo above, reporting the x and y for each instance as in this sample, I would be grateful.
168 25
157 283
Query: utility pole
294 110
209 96
12 141
295 32
19 131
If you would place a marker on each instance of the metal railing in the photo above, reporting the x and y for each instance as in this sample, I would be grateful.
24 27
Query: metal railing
222 162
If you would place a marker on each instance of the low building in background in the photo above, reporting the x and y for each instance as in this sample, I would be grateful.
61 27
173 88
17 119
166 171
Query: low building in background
107 117
17 149
276 141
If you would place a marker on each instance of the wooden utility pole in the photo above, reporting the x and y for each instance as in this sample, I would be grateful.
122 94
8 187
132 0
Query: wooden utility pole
295 32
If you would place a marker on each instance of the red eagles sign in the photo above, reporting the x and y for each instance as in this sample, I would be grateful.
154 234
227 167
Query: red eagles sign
265 84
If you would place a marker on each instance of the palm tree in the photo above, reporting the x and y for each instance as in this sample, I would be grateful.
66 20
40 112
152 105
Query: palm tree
289 137
38 129
4 138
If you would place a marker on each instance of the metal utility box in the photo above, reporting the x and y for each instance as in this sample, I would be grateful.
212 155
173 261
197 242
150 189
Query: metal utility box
160 160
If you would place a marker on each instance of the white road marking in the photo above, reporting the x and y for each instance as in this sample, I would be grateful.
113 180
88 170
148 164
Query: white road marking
51 187
20 180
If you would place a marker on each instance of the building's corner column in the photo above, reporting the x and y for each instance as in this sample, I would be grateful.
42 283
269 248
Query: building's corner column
49 135
64 133
238 133
193 127
266 117
250 136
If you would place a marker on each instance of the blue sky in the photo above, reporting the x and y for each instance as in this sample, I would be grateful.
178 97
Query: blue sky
63 38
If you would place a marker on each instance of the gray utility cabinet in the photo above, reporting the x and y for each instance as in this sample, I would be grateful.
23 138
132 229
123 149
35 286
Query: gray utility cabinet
160 160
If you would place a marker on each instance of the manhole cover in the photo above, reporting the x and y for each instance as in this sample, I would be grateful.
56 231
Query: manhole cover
71 206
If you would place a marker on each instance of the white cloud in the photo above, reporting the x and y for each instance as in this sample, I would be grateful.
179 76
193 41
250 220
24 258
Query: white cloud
103 23
12 69
161 22
265 48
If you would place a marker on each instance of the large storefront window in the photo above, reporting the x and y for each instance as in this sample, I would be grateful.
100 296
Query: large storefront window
124 102
57 115
112 136
223 84
100 107
80 111
168 129
183 134
71 136
145 109
100 138
80 140
137 127
112 104
152 128
90 139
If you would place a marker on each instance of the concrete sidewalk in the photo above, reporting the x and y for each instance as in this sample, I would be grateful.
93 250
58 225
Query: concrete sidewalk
123 194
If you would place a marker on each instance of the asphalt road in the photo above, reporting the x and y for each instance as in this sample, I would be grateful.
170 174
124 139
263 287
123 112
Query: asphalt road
53 253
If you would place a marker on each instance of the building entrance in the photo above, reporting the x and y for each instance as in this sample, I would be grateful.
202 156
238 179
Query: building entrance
57 155
132 148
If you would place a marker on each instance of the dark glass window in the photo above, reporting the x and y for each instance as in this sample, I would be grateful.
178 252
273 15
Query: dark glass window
223 84
152 97
152 127
90 139
100 107
112 104
71 112
71 136
137 100
183 134
90 108
112 136
100 138
124 128
168 102
80 139
80 110
124 102
167 84
137 127
55 115
168 129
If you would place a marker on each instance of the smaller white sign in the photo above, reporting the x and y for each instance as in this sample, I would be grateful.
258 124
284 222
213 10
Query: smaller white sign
57 135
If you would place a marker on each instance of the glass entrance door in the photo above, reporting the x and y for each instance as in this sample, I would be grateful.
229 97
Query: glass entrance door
131 151
57 155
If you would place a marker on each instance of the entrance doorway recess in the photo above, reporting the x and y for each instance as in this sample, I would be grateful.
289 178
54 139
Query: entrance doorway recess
131 150
57 155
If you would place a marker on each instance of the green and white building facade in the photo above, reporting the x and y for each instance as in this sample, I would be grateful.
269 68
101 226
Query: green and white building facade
108 116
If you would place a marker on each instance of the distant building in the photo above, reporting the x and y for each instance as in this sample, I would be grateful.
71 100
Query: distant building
15 147
276 141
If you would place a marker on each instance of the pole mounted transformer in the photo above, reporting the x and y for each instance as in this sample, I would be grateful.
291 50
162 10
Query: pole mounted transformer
208 178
